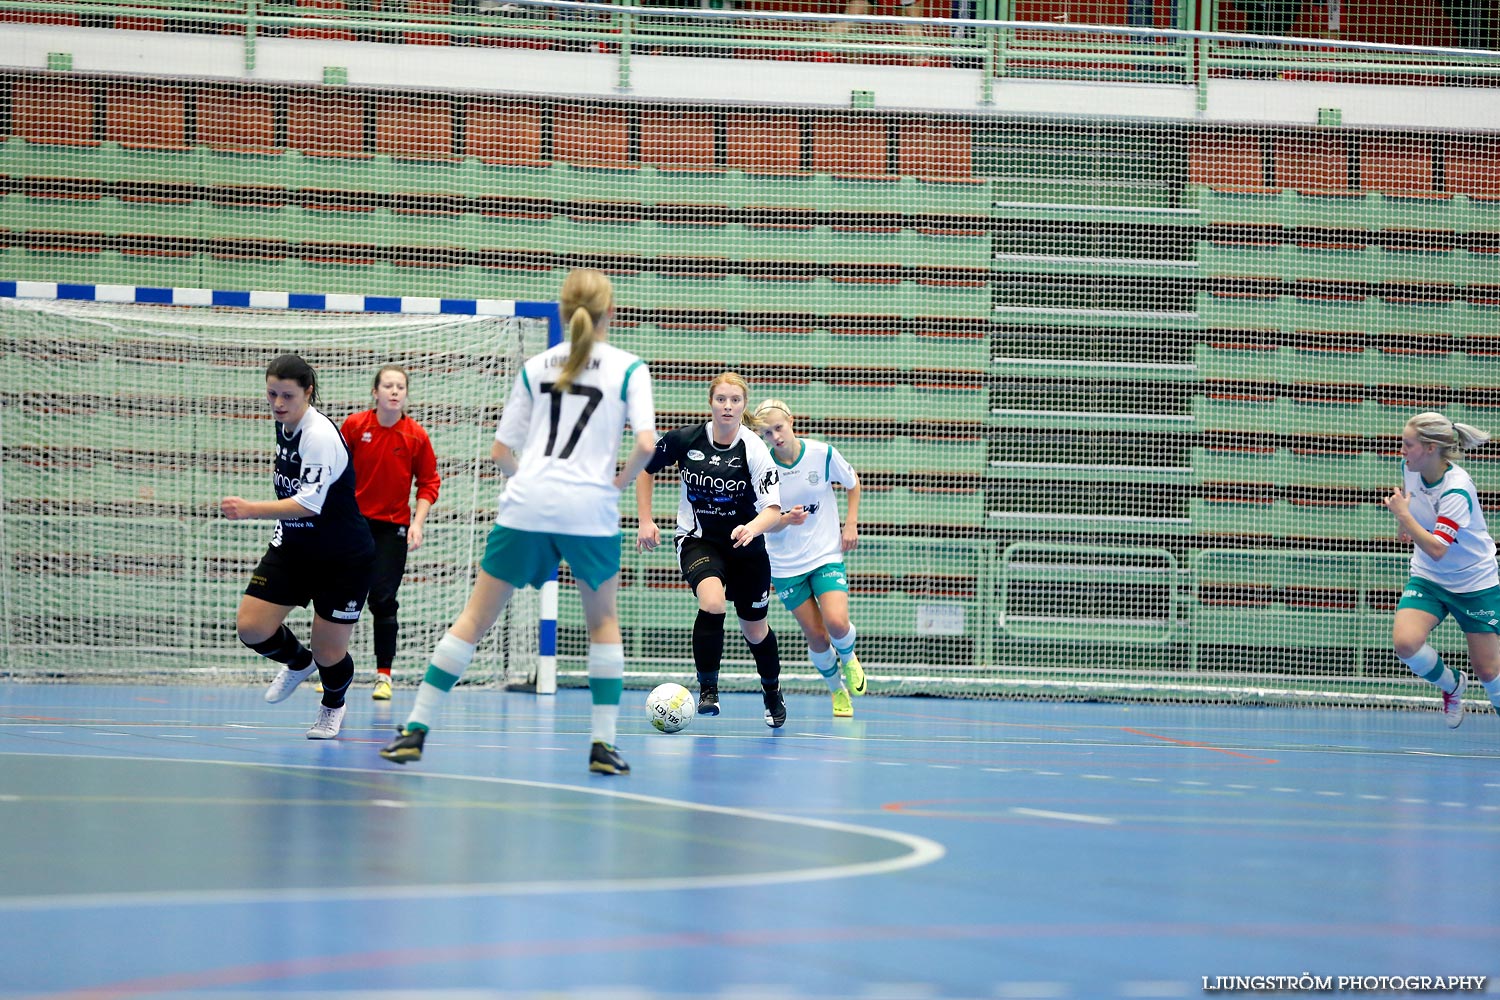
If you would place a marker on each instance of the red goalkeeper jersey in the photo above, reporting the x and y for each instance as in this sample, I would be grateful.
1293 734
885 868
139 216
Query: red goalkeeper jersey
386 461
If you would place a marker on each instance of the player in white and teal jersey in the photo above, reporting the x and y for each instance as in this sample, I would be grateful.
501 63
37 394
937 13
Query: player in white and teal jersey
557 442
1453 567
807 549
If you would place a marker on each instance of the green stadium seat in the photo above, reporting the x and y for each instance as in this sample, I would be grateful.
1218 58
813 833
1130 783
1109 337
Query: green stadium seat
905 505
910 454
1283 467
474 178
1250 207
1283 519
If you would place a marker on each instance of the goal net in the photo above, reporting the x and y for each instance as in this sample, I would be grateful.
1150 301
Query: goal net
132 421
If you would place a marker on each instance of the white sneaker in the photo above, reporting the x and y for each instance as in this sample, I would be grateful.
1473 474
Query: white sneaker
328 723
1453 704
286 682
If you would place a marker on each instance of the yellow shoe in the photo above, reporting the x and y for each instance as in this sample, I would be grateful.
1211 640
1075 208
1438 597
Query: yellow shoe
854 674
842 709
318 687
382 690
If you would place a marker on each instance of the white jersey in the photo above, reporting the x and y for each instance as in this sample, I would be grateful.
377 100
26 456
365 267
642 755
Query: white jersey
1449 508
808 483
569 442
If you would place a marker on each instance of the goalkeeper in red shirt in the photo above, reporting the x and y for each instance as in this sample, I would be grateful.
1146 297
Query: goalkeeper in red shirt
391 451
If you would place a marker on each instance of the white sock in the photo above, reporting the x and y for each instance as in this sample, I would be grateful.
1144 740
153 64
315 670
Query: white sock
827 665
1492 688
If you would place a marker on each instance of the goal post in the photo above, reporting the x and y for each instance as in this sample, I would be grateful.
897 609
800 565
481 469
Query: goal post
140 407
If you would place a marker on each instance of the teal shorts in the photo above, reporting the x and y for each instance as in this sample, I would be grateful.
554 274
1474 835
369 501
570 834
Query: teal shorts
529 558
1477 611
794 591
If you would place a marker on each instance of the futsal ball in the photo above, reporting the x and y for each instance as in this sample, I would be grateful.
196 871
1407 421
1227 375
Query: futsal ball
670 707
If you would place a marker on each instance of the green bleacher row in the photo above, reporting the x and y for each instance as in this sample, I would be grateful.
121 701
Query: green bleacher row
470 177
810 344
558 233
106 484
1290 262
1355 210
1287 468
341 274
1371 315
1370 366
1365 418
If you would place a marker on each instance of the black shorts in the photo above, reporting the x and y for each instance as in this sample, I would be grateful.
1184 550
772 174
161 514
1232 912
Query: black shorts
746 572
336 586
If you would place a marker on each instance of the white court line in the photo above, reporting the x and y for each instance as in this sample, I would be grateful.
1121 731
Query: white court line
1069 817
920 851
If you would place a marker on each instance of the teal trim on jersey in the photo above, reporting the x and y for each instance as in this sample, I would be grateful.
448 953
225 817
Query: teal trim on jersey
439 678
828 464
625 383
525 381
800 452
1468 500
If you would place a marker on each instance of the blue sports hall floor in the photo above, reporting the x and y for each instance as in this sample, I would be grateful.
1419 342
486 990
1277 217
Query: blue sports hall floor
189 841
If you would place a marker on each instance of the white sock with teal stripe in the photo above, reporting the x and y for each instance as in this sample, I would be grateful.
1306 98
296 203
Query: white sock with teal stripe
844 644
1492 688
1428 665
827 665
449 661
606 682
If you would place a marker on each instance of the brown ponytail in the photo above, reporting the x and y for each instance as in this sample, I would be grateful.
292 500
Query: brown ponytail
587 296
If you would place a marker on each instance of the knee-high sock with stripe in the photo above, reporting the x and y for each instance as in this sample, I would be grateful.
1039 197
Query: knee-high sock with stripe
826 664
1428 665
449 661
606 681
844 644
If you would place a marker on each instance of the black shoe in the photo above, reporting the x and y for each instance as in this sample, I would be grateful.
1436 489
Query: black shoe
775 708
708 701
406 747
605 759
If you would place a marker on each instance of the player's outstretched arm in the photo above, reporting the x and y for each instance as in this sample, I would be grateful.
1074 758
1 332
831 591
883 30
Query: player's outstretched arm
744 534
635 464
647 535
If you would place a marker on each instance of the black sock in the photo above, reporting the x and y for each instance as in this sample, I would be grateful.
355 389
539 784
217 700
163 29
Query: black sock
386 630
336 679
708 647
284 648
767 660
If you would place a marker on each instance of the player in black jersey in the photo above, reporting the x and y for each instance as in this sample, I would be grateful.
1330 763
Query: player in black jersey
320 551
730 498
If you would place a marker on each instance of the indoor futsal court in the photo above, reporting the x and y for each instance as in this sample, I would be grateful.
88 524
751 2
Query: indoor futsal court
188 841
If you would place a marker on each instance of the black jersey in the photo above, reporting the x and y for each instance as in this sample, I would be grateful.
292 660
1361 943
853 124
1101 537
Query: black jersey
314 466
722 487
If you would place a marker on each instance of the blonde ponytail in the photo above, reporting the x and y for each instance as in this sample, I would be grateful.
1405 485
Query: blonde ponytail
587 296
